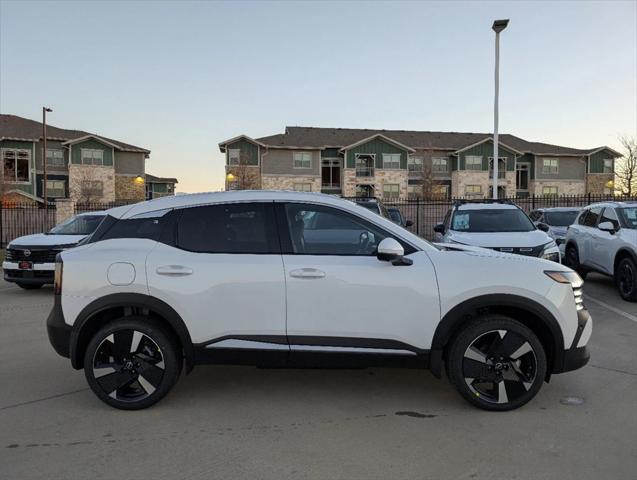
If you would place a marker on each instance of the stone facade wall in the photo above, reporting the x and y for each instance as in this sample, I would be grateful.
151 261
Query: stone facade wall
64 208
128 188
596 183
251 175
461 178
381 177
81 173
564 187
287 182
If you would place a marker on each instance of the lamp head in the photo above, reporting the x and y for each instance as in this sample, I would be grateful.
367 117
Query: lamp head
500 25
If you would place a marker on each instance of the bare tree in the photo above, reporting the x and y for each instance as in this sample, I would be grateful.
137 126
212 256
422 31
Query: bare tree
6 176
626 170
244 175
430 185
86 187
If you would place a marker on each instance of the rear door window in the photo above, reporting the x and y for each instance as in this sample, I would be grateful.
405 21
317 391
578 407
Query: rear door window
247 228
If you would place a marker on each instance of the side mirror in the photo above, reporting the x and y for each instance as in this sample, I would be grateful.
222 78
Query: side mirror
439 228
543 226
408 223
390 250
607 227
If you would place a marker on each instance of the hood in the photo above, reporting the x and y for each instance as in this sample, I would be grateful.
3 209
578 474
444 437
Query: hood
42 240
500 239
493 254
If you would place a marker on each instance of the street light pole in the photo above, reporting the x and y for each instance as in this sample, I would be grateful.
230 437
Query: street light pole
44 192
498 26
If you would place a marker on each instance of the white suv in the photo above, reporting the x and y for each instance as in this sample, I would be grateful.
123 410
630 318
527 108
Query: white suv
499 225
604 239
302 279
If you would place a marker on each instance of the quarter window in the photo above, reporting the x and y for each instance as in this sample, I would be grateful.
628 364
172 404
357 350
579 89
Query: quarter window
473 162
55 157
228 228
550 165
391 161
440 164
302 159
15 164
321 230
92 156
391 191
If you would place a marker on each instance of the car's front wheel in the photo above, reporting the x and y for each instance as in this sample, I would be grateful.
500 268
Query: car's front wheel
132 363
496 363
571 260
626 279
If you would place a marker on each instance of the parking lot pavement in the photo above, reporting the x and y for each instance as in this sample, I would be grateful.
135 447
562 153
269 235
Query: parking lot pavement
234 422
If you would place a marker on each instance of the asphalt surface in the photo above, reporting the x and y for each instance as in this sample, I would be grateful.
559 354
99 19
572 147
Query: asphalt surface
236 422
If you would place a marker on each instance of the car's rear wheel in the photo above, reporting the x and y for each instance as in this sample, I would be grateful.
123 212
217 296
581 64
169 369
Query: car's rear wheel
496 363
132 363
571 260
30 286
626 279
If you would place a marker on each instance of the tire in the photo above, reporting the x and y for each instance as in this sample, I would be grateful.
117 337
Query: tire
29 286
626 279
132 363
571 260
496 363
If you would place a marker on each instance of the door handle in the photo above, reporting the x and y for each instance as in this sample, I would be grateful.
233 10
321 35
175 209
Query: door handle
307 273
174 270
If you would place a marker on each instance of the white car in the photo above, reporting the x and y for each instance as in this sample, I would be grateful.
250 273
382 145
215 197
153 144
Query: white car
305 279
557 219
498 225
604 239
30 260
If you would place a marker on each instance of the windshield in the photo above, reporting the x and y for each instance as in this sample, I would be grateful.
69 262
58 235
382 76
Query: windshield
561 218
491 220
395 216
79 225
628 217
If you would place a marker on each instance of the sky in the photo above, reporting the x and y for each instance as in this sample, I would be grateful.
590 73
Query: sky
178 77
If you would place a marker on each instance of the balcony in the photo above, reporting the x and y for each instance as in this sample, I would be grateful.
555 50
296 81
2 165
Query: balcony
364 171
501 173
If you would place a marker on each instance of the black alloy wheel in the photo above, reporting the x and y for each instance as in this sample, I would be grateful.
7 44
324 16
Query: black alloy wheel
625 279
131 365
497 363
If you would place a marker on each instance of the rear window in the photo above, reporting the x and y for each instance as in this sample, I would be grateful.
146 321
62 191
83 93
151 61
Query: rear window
228 228
491 220
561 218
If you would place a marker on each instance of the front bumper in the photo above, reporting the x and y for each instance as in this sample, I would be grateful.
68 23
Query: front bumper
59 332
41 274
576 356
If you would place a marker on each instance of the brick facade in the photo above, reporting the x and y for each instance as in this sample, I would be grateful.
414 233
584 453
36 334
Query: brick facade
78 174
287 182
564 187
596 183
249 175
128 188
380 178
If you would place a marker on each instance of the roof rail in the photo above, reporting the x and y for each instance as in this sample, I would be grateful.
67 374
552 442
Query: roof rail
505 201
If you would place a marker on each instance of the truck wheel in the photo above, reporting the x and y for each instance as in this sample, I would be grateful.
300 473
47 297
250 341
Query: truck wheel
626 279
132 363
496 363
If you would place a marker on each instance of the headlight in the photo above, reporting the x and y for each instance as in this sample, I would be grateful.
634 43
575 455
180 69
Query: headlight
574 280
551 252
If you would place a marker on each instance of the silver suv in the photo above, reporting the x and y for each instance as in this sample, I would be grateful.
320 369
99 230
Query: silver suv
604 239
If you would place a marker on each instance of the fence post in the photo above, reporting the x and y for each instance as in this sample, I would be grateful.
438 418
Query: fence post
1 222
64 208
533 202
418 217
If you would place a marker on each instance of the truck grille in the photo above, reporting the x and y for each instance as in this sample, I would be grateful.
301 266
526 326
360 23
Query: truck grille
36 256
527 251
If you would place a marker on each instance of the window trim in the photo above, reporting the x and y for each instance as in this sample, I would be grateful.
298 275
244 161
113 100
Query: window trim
544 194
92 150
549 172
473 157
230 150
612 165
54 164
294 185
473 185
286 241
15 160
391 197
438 170
384 155
301 152
411 163
48 187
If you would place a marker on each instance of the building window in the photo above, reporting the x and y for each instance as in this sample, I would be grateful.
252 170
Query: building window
391 191
440 191
331 173
234 156
391 161
54 188
55 157
16 165
302 187
92 187
473 190
364 191
608 165
92 157
414 164
473 162
441 164
549 165
549 191
414 191
302 159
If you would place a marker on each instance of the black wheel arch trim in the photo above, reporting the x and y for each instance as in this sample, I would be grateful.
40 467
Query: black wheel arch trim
138 300
463 312
620 253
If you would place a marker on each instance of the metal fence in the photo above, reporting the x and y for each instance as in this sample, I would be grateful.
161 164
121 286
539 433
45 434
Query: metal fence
426 213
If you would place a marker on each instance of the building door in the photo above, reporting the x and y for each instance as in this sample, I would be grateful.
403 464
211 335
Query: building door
522 171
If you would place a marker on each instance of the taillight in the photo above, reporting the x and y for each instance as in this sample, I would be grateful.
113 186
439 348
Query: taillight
57 279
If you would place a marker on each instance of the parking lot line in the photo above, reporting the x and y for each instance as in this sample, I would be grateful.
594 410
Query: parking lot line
611 308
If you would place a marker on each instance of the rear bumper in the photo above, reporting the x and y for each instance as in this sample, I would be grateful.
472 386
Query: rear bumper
59 332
